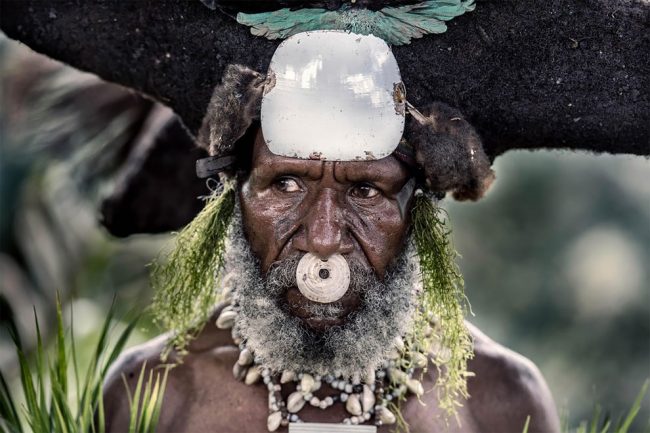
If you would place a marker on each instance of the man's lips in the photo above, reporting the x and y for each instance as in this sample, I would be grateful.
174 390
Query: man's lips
298 306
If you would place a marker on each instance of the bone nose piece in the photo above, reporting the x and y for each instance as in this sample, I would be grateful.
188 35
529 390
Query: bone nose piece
323 281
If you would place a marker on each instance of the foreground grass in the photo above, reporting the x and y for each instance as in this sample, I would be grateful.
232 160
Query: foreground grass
602 423
57 399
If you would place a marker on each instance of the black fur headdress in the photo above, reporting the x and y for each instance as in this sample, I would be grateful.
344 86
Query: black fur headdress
526 74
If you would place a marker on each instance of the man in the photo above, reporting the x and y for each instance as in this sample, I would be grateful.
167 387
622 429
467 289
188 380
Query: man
343 301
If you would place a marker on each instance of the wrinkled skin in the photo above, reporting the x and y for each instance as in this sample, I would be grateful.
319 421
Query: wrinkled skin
291 207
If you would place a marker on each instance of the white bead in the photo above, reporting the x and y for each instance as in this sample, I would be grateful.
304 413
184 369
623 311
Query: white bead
399 343
419 360
307 383
226 319
415 386
295 402
287 376
273 421
239 372
397 376
314 401
245 357
369 376
367 399
353 405
385 416
344 397
348 388
394 354
253 376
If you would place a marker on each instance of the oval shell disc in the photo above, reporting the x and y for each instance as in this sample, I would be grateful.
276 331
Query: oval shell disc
323 281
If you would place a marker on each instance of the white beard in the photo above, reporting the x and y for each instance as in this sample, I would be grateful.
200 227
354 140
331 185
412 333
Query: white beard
281 341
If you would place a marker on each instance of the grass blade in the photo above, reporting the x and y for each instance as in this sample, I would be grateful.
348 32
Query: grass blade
135 401
61 359
8 413
634 410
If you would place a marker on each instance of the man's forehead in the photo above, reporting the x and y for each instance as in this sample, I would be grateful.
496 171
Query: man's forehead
388 169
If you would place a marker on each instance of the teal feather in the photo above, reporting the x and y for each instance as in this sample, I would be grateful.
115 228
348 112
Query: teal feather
396 25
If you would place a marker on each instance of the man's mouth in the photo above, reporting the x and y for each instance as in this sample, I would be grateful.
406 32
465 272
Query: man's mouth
320 317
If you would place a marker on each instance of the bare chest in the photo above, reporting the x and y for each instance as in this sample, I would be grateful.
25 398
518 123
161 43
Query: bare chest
202 395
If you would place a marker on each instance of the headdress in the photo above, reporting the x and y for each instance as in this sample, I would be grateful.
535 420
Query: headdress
538 75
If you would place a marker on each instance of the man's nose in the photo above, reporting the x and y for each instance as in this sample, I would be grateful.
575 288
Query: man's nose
326 228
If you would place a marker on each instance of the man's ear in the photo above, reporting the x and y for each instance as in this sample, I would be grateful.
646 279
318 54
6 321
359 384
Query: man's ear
450 152
234 106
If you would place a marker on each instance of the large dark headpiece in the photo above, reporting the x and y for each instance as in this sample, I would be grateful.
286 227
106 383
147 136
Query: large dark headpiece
529 74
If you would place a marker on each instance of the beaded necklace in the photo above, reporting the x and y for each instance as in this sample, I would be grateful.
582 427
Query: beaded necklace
367 397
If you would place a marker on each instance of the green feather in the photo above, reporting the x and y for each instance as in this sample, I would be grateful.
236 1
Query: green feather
396 25
443 300
185 282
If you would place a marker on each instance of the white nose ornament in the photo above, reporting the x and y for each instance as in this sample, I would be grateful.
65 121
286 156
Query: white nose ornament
323 281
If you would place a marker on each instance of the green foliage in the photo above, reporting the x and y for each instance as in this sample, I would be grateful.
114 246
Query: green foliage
396 25
622 425
146 419
604 425
185 283
442 303
56 402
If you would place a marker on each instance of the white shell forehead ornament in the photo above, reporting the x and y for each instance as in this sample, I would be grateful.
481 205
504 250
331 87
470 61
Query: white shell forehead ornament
333 95
323 281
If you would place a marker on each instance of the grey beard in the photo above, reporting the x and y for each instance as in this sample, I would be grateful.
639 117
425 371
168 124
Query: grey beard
281 341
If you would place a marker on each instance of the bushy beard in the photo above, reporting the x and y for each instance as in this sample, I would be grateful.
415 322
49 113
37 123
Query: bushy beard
281 341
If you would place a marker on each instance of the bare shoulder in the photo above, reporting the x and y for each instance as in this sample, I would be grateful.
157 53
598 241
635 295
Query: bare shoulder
123 375
125 372
507 389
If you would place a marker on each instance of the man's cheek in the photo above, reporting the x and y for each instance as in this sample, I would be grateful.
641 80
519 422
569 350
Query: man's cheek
380 232
268 226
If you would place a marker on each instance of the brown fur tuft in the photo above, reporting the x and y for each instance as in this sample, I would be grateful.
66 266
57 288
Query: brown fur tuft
234 106
450 153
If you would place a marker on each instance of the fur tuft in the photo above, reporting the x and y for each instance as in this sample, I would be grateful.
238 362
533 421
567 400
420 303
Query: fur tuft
450 152
234 106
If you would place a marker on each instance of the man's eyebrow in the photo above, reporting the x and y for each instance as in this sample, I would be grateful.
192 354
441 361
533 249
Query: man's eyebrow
364 172
292 167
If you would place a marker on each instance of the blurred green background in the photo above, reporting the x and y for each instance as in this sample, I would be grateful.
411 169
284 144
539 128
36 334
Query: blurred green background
556 261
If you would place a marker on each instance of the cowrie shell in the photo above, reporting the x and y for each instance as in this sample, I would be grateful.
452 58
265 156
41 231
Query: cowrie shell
323 281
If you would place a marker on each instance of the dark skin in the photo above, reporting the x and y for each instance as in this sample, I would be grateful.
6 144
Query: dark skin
291 207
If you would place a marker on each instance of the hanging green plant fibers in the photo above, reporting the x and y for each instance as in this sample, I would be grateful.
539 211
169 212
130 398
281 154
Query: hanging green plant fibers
439 326
185 280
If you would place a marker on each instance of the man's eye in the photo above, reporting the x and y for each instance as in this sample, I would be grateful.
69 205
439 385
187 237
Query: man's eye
364 191
287 184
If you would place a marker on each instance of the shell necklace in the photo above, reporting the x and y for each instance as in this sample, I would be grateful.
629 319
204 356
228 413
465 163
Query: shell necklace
368 398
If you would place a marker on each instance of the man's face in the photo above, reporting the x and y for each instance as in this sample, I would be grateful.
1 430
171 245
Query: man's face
356 209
